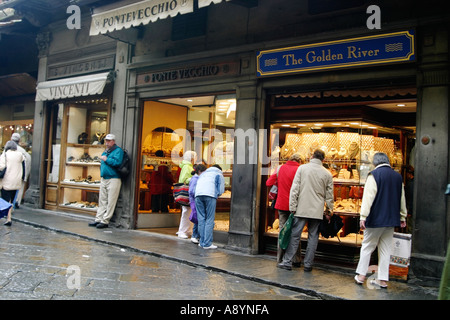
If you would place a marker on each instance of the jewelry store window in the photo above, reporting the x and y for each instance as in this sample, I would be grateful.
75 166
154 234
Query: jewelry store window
349 147
169 127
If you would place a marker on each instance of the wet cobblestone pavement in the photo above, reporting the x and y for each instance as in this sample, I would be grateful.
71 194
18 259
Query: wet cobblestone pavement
43 264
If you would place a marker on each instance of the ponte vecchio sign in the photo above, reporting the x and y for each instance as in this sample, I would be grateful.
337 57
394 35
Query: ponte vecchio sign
363 51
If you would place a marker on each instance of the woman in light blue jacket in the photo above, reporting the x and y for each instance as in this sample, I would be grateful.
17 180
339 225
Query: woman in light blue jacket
210 185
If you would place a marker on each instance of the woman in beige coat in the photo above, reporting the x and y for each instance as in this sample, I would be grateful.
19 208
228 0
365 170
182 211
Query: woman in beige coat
12 180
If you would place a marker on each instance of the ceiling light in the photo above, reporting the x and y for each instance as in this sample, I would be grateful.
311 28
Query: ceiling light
285 125
401 105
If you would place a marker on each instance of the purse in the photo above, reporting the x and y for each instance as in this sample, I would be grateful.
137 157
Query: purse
2 172
4 208
273 192
181 193
284 237
330 228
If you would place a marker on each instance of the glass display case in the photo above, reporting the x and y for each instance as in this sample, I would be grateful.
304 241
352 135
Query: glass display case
73 178
349 147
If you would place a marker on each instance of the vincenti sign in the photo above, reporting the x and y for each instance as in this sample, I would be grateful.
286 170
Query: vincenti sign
363 51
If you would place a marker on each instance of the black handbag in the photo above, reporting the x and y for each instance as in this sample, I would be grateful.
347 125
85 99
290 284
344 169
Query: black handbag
2 172
329 229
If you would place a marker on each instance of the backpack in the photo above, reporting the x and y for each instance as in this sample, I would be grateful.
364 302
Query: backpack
124 168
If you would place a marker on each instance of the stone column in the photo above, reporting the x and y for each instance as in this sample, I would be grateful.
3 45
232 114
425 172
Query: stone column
243 231
431 214
34 195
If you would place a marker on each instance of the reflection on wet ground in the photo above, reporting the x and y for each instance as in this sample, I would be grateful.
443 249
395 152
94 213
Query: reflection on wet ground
34 265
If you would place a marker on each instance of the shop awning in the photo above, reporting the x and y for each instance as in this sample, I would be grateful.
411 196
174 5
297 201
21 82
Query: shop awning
135 14
71 87
205 3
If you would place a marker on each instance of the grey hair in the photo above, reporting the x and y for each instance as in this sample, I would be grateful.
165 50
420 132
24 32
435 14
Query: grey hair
10 145
380 158
296 157
189 155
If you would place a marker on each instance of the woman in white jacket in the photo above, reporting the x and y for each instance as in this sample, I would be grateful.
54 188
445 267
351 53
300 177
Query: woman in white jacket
12 180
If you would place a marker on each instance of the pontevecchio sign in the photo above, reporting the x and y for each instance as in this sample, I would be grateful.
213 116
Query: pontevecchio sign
363 51
135 14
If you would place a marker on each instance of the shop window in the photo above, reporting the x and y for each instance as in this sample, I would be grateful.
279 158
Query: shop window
349 148
170 127
23 127
77 130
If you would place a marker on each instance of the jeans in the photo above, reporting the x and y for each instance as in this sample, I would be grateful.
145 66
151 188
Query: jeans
195 233
206 210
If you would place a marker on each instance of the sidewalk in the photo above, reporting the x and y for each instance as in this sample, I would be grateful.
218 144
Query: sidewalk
321 282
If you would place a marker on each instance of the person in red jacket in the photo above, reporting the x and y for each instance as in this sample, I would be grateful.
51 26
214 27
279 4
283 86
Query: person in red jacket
160 185
283 178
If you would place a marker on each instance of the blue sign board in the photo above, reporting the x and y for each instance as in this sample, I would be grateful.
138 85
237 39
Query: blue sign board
363 51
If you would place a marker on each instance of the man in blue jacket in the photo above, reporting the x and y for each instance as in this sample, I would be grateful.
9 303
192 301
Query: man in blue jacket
210 185
383 208
110 182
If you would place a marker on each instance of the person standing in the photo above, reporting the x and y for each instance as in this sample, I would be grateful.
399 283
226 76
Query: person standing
160 187
210 186
198 170
187 166
16 138
283 178
110 182
12 180
383 208
312 187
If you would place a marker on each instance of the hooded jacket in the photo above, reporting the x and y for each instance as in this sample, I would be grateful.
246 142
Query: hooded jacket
210 183
186 172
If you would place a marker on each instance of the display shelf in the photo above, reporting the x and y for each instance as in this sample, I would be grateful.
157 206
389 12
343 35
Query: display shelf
76 161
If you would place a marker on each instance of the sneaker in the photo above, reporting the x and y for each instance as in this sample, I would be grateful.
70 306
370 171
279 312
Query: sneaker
284 266
182 236
210 247
194 240
93 224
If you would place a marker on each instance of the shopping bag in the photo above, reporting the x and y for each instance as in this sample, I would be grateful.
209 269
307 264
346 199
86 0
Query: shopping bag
285 233
181 193
400 255
4 208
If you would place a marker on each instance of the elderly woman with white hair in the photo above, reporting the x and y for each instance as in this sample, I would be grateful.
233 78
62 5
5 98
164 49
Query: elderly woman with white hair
187 166
383 208
12 180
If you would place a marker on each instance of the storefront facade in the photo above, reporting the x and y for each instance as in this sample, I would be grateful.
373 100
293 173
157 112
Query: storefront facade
206 85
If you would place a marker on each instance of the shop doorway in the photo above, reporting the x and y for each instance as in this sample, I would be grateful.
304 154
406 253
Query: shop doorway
169 128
